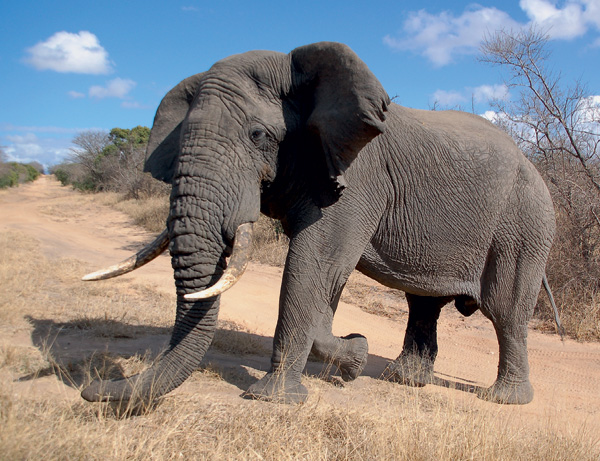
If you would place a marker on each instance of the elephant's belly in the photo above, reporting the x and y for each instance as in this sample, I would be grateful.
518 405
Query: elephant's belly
442 279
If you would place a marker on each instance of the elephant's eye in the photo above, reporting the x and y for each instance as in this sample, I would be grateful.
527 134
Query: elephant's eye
257 135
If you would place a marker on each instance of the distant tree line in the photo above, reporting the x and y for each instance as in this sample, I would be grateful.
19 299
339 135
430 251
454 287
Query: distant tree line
110 161
14 173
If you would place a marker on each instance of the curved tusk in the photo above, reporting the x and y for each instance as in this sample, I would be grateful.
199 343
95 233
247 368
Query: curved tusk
236 267
144 256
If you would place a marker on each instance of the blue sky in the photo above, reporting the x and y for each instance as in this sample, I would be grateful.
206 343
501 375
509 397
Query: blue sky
68 66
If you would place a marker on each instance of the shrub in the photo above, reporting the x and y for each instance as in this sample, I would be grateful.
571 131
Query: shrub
12 174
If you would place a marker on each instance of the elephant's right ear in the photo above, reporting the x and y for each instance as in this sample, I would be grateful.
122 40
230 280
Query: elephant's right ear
163 146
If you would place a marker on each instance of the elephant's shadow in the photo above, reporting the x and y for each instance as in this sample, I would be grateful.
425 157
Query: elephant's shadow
79 351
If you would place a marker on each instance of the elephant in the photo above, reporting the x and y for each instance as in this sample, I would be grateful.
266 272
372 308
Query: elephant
439 204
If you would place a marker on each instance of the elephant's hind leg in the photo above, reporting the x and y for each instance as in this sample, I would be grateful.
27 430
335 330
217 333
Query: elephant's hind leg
414 366
510 292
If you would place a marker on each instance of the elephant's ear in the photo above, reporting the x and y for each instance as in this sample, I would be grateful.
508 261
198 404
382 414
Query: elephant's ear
349 103
163 146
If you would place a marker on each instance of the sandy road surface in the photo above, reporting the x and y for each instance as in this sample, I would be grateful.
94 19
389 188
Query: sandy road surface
565 375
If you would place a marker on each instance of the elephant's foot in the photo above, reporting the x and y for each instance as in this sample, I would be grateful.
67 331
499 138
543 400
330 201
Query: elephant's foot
278 388
353 362
410 369
508 393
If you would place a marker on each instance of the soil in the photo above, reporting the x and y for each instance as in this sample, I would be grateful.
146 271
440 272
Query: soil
565 374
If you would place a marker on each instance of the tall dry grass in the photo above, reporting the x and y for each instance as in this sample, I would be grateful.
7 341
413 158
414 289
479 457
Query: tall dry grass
206 419
269 245
148 212
196 427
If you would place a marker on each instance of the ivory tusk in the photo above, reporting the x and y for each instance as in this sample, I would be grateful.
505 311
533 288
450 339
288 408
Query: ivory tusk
144 256
236 267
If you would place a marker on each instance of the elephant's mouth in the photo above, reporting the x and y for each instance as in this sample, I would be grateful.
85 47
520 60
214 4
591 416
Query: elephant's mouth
235 268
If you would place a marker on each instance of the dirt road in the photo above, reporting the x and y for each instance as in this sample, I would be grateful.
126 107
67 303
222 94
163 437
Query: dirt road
565 375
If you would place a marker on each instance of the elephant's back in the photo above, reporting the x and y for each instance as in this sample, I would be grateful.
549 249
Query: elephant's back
461 132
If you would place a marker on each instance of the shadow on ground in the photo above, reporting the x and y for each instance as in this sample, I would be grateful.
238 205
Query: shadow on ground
81 350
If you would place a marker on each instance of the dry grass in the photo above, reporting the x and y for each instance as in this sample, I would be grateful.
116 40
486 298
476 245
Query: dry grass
579 308
206 419
149 213
374 298
232 338
53 288
269 245
22 360
405 426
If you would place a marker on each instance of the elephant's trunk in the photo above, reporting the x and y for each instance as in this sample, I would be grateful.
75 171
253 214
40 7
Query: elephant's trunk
198 256
193 332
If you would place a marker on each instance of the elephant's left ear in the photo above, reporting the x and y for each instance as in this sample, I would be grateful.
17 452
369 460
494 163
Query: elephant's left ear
349 103
163 146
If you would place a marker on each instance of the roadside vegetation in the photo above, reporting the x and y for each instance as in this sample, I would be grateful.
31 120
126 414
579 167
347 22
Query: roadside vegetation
14 173
110 162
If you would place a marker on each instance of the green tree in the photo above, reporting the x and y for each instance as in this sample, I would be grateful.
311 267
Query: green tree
37 166
12 174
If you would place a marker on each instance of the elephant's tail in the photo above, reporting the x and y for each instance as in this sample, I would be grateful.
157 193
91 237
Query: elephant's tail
561 330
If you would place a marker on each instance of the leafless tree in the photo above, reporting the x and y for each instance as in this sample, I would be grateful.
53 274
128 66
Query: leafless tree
558 128
88 153
553 121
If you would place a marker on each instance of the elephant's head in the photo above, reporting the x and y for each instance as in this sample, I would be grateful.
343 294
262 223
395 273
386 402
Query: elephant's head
260 130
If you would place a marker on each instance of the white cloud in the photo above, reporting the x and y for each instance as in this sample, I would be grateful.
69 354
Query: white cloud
570 21
589 112
441 37
478 95
48 145
485 93
491 115
444 36
76 95
116 88
134 105
30 148
27 145
66 52
586 119
448 98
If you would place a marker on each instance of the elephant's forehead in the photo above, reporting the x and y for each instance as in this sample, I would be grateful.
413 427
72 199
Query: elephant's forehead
263 69
249 57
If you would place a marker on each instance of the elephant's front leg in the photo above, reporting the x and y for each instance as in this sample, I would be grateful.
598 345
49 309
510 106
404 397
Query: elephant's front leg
414 366
314 276
302 312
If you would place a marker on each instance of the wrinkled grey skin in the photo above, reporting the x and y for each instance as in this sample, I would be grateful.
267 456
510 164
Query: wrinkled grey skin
441 205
